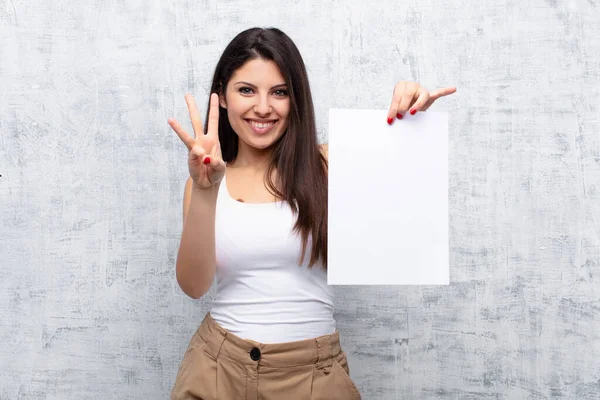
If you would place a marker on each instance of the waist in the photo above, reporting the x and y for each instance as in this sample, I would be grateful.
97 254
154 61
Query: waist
222 342
275 322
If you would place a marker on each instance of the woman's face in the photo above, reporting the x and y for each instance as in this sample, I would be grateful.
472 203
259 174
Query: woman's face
257 103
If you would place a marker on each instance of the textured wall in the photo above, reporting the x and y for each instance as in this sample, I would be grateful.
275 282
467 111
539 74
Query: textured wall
92 180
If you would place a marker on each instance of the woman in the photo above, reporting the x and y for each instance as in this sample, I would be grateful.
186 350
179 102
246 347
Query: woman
255 217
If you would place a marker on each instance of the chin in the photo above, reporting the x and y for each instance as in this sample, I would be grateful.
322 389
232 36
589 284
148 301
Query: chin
263 144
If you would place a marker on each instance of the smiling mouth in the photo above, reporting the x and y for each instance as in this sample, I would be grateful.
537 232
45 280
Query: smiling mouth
261 127
271 121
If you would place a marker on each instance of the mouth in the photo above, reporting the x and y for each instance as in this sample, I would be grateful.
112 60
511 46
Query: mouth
261 127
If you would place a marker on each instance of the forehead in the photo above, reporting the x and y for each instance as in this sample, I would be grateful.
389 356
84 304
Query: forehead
259 71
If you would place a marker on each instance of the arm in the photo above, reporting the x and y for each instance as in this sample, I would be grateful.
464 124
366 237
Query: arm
196 259
325 150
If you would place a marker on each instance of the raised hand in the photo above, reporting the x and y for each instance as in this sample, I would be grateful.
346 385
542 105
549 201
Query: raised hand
413 96
205 160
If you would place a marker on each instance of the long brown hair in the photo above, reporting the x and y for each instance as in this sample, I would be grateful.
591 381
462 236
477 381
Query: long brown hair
301 167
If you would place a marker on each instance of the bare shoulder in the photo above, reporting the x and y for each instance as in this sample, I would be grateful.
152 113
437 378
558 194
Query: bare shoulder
325 150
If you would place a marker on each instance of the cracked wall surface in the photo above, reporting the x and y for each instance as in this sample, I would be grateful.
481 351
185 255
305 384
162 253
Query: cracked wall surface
92 180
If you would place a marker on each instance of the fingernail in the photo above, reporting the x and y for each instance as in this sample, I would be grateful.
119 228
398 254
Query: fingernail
399 116
413 111
207 160
390 120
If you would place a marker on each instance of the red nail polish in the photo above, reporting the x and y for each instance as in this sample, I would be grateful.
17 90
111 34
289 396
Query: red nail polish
413 111
399 116
390 120
207 160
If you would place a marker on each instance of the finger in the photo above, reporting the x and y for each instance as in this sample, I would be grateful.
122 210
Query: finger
423 97
185 138
194 115
220 165
215 163
437 94
408 97
443 92
212 158
210 145
398 91
198 153
213 117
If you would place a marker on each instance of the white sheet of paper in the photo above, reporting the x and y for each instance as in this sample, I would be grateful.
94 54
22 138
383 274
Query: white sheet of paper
388 199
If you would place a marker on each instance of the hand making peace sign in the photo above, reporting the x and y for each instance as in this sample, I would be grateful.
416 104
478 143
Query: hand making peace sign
205 161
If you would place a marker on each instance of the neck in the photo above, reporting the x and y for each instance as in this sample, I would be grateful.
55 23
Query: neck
253 159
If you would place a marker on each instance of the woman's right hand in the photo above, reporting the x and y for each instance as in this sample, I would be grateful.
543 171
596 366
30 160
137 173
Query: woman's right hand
205 160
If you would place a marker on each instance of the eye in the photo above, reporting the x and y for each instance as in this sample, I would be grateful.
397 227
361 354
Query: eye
248 90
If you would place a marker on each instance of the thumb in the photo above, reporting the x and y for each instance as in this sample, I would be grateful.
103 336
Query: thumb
218 165
197 152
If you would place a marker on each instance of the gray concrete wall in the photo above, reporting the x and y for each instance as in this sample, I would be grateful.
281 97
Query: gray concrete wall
92 179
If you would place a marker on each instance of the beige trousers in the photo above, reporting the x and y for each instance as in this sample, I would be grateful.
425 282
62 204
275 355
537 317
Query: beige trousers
221 365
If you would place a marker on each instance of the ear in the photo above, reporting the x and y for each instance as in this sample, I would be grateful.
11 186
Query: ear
222 101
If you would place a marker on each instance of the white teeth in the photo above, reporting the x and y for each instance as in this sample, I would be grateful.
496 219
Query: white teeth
261 125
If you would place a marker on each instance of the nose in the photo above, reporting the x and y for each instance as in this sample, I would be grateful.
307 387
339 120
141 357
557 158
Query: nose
262 106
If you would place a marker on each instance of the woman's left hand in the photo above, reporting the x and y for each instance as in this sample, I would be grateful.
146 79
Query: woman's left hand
411 95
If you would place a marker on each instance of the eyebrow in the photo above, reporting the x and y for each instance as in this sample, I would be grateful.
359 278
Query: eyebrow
254 86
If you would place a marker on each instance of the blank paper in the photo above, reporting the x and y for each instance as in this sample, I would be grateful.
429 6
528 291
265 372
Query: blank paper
388 198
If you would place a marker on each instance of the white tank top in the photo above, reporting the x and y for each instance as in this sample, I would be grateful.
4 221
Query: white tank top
262 294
